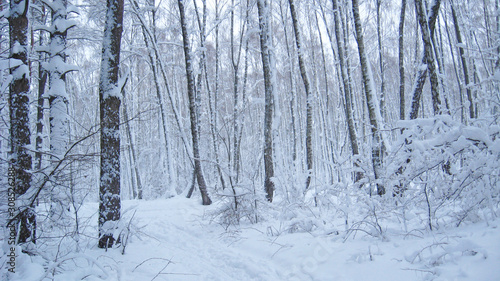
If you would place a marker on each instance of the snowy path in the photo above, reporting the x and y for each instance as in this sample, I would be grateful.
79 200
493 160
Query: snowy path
177 242
178 230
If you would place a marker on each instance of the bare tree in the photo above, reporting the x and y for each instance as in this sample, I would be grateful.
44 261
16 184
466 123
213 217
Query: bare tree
109 103
305 79
24 222
427 26
377 142
463 60
401 61
195 134
383 110
265 45
341 51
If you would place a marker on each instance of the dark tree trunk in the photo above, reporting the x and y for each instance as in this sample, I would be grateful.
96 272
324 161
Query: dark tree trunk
463 60
20 163
192 108
305 79
377 143
347 94
401 61
109 102
427 26
265 42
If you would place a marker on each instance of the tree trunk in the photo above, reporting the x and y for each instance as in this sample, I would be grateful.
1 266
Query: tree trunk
109 103
58 98
325 111
455 69
212 102
383 110
159 63
463 60
427 26
133 161
240 117
42 82
347 94
265 44
377 143
293 94
305 79
58 102
195 134
401 61
497 23
154 67
24 222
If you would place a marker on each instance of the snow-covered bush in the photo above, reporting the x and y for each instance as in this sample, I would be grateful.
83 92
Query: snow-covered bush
446 170
240 204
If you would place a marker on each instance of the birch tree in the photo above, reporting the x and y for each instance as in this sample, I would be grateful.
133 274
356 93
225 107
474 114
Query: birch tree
427 21
341 52
377 146
109 103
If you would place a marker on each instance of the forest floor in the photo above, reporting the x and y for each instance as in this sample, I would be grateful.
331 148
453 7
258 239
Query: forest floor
178 239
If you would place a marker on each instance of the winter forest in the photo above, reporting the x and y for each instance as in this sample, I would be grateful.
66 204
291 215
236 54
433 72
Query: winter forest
250 139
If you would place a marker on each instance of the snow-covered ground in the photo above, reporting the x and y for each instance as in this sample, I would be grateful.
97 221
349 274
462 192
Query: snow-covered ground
177 239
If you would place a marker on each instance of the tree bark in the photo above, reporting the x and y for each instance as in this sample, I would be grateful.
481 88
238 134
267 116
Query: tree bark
377 143
24 221
463 60
346 87
195 134
305 79
265 43
427 26
58 104
383 110
42 82
402 99
212 101
109 103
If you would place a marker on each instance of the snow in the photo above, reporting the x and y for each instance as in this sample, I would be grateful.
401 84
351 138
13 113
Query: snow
178 239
